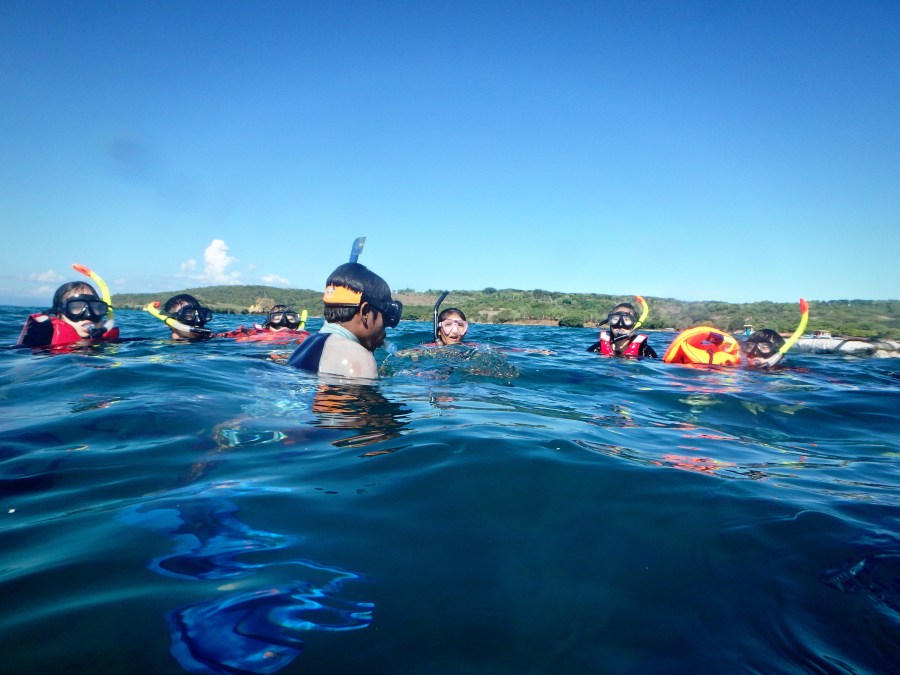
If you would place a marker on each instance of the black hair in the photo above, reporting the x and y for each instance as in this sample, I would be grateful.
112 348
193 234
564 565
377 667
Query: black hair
451 310
357 278
176 302
625 305
767 335
66 291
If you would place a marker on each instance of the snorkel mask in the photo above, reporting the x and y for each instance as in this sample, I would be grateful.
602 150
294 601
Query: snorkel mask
283 318
188 319
95 310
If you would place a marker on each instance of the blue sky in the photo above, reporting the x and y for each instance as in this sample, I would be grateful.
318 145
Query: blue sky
697 150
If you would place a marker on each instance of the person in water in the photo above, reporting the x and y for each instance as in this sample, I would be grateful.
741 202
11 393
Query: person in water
186 318
451 327
77 314
622 339
763 348
282 325
358 308
281 319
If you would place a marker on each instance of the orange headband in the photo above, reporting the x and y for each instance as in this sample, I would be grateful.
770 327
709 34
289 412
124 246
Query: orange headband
341 295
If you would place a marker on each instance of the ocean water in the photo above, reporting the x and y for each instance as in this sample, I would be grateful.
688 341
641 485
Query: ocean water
173 508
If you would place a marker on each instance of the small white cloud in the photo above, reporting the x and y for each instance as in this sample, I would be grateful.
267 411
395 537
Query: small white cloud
188 266
217 261
47 277
275 280
251 267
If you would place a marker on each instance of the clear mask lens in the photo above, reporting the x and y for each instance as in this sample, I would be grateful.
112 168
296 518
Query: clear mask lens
621 320
461 325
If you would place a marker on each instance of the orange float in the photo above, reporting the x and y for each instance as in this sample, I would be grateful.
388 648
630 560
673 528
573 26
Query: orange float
704 345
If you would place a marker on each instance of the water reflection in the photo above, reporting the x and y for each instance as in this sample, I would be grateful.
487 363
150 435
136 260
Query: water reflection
258 630
362 409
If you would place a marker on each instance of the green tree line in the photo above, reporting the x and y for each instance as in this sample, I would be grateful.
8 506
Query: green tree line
862 318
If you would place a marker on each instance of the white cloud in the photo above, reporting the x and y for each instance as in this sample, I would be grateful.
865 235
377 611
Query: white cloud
188 266
47 277
216 261
275 280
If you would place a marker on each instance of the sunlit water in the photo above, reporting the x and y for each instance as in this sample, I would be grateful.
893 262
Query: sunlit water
202 508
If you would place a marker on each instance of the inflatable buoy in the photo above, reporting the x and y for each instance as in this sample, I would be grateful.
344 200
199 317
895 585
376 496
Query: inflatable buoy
704 345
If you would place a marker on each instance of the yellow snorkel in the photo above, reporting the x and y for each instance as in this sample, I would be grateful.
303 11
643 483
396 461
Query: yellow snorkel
153 309
104 290
804 318
644 313
303 316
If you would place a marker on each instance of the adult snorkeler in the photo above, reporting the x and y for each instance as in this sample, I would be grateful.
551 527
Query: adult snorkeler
358 308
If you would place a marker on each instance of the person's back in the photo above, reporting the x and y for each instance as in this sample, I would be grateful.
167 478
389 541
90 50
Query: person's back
358 307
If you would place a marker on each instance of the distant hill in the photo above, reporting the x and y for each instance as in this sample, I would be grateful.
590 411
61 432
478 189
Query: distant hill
862 318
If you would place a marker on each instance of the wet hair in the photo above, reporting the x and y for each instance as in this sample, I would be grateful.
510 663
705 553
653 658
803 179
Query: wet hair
67 291
625 305
450 311
358 278
176 302
766 335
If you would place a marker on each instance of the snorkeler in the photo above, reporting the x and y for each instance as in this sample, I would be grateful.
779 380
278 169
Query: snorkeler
450 326
282 325
282 318
358 308
184 316
621 338
765 348
77 314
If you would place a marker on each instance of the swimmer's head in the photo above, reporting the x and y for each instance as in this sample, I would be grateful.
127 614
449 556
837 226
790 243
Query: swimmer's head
622 320
353 289
452 326
282 318
78 304
186 309
762 348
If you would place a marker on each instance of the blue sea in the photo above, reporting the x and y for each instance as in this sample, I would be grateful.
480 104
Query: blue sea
202 508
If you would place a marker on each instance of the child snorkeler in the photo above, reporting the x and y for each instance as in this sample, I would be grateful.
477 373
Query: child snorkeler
621 338
451 327
184 316
766 348
78 314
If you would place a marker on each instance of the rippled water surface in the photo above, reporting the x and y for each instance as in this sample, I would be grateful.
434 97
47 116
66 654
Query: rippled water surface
202 508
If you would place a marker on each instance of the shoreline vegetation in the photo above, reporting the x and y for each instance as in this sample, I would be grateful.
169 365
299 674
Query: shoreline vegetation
858 318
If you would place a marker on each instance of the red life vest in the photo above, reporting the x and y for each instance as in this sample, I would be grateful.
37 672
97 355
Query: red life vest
41 330
261 334
633 349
